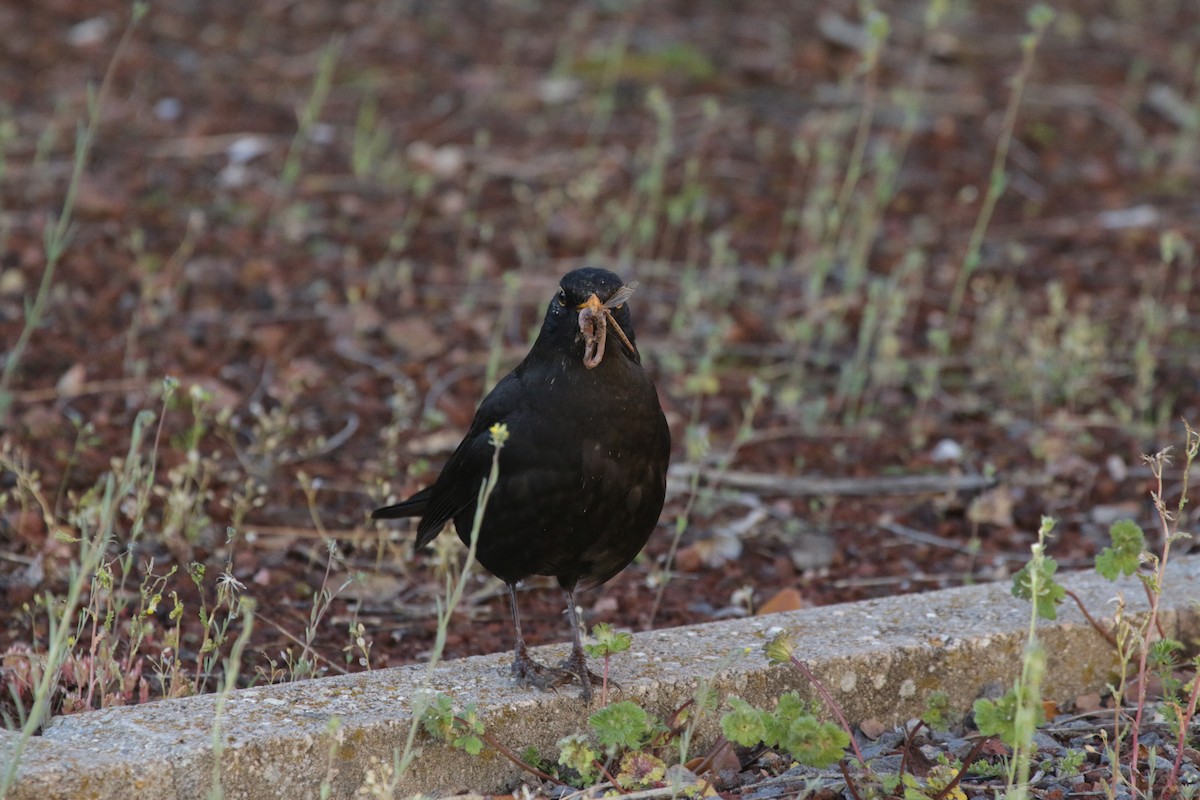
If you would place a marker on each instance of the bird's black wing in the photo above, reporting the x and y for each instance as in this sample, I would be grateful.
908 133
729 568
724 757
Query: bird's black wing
459 484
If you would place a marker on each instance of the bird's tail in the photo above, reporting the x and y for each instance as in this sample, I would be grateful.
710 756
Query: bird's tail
412 507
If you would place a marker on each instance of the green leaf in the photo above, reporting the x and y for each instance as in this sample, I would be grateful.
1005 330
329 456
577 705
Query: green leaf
999 717
1070 763
706 699
744 724
640 770
469 720
460 730
815 744
1127 536
913 790
608 641
940 776
937 710
576 752
623 724
788 708
780 649
438 718
1049 594
1164 653
471 743
1123 558
1040 16
533 758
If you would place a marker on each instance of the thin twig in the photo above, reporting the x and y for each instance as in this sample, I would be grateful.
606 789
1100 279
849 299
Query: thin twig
932 539
300 643
91 387
966 764
845 487
909 735
706 763
830 704
850 787
1184 722
1152 624
513 757
604 771
1157 622
1112 640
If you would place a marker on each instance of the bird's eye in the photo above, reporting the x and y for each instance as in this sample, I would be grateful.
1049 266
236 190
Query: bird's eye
562 297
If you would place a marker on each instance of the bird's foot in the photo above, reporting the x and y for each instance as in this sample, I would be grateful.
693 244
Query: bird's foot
529 673
576 666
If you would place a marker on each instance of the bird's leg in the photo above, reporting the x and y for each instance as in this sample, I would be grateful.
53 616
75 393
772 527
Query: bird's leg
525 670
577 663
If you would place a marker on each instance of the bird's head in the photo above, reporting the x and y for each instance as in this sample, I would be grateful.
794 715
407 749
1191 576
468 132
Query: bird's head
591 308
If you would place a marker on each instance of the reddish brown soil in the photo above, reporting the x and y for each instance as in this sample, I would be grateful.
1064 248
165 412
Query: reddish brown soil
296 302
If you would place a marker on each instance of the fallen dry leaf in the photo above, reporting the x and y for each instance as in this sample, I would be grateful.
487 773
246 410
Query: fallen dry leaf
788 599
993 507
872 728
72 380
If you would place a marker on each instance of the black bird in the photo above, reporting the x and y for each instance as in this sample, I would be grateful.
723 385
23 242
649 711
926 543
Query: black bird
584 471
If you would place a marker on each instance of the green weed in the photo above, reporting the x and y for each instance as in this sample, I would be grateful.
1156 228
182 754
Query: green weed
57 235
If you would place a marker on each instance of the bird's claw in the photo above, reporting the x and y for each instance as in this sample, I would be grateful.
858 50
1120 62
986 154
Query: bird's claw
530 674
533 675
578 670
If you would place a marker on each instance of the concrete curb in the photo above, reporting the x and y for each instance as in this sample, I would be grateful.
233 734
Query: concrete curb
879 658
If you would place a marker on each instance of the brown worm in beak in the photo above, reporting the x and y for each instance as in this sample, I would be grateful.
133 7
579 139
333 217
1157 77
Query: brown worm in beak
593 324
594 318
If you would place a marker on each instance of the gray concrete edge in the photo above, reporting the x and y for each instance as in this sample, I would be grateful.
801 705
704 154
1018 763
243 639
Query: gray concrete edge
879 658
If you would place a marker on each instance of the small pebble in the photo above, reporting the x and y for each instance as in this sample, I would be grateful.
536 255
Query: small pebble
946 450
168 109
89 32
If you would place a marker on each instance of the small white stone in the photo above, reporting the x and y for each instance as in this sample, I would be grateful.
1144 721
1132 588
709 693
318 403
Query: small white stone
233 176
247 148
12 282
946 450
89 32
168 109
323 133
553 91
1141 216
